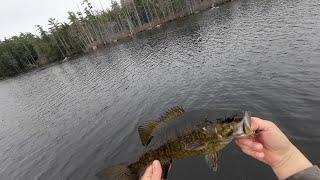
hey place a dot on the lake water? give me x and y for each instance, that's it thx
(71, 120)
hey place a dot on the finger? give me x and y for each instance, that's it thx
(259, 124)
(242, 140)
(157, 170)
(245, 141)
(148, 173)
(254, 123)
(250, 144)
(255, 154)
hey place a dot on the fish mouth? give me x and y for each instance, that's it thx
(244, 127)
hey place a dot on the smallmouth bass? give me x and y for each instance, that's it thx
(205, 140)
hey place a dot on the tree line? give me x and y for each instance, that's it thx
(88, 29)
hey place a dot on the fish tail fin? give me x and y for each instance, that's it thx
(146, 130)
(118, 172)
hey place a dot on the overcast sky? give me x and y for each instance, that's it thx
(21, 16)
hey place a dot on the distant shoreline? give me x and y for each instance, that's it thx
(158, 24)
(210, 4)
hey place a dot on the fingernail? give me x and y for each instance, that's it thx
(154, 163)
(246, 143)
(259, 146)
(260, 155)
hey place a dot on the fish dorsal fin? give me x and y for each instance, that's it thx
(146, 130)
(171, 113)
(212, 161)
(195, 146)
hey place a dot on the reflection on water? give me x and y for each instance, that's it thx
(71, 120)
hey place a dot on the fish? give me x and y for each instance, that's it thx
(146, 130)
(206, 139)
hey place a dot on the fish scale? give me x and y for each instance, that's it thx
(175, 149)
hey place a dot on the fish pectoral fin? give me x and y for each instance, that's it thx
(145, 131)
(165, 169)
(212, 161)
(195, 146)
(171, 113)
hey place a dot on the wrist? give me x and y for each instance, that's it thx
(292, 162)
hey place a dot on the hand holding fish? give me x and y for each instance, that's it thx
(153, 172)
(207, 138)
(272, 147)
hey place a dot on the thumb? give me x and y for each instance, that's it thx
(157, 170)
(148, 173)
(259, 124)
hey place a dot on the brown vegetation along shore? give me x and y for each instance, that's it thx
(90, 29)
(158, 22)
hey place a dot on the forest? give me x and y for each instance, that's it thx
(89, 29)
